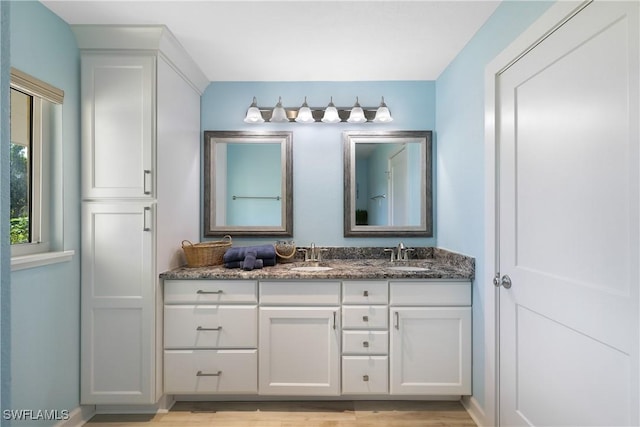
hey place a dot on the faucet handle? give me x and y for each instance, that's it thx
(406, 253)
(392, 254)
(306, 254)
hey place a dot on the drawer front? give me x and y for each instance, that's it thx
(210, 291)
(300, 293)
(434, 293)
(365, 292)
(210, 326)
(365, 375)
(364, 317)
(211, 371)
(365, 342)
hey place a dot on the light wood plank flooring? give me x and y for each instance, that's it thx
(298, 414)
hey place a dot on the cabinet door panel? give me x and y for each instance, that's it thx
(118, 125)
(299, 351)
(431, 350)
(118, 310)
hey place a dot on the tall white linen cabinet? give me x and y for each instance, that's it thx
(140, 97)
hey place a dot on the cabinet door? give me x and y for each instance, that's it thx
(118, 122)
(430, 350)
(118, 304)
(299, 351)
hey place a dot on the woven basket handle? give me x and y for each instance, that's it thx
(190, 244)
(226, 236)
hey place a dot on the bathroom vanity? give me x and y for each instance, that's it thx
(359, 327)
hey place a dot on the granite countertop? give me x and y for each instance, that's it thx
(346, 263)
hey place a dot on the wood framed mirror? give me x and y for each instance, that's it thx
(388, 183)
(248, 183)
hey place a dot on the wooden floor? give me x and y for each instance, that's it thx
(298, 414)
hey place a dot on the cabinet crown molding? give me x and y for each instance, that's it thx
(157, 38)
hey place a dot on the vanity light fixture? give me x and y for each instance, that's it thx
(383, 115)
(357, 114)
(304, 113)
(253, 113)
(279, 115)
(330, 114)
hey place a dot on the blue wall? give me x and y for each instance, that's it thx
(460, 169)
(317, 147)
(45, 301)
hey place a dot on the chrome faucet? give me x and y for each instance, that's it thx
(401, 253)
(313, 253)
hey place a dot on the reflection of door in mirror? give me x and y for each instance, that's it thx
(388, 182)
(248, 178)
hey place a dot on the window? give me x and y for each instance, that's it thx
(35, 185)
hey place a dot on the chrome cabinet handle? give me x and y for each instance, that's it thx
(365, 344)
(396, 323)
(365, 294)
(365, 318)
(202, 374)
(146, 214)
(334, 320)
(147, 172)
(200, 328)
(365, 378)
(200, 291)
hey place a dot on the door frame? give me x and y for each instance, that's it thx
(554, 17)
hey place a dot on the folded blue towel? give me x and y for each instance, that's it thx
(238, 253)
(249, 261)
(269, 262)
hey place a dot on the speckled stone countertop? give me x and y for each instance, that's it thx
(346, 263)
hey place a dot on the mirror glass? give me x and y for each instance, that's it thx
(248, 183)
(387, 183)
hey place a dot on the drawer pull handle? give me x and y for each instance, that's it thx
(365, 344)
(200, 328)
(202, 374)
(147, 172)
(396, 316)
(365, 294)
(365, 318)
(365, 378)
(334, 320)
(200, 291)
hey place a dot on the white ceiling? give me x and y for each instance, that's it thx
(302, 40)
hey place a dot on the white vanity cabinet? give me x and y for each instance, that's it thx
(210, 337)
(365, 337)
(430, 339)
(140, 96)
(299, 338)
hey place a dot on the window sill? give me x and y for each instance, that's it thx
(38, 260)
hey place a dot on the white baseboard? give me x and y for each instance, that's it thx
(475, 411)
(78, 417)
(162, 406)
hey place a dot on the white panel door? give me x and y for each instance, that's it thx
(118, 125)
(430, 350)
(299, 351)
(117, 310)
(568, 191)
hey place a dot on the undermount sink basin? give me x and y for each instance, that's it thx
(311, 269)
(408, 268)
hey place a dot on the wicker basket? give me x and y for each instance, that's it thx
(285, 251)
(205, 253)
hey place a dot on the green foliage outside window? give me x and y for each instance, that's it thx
(19, 189)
